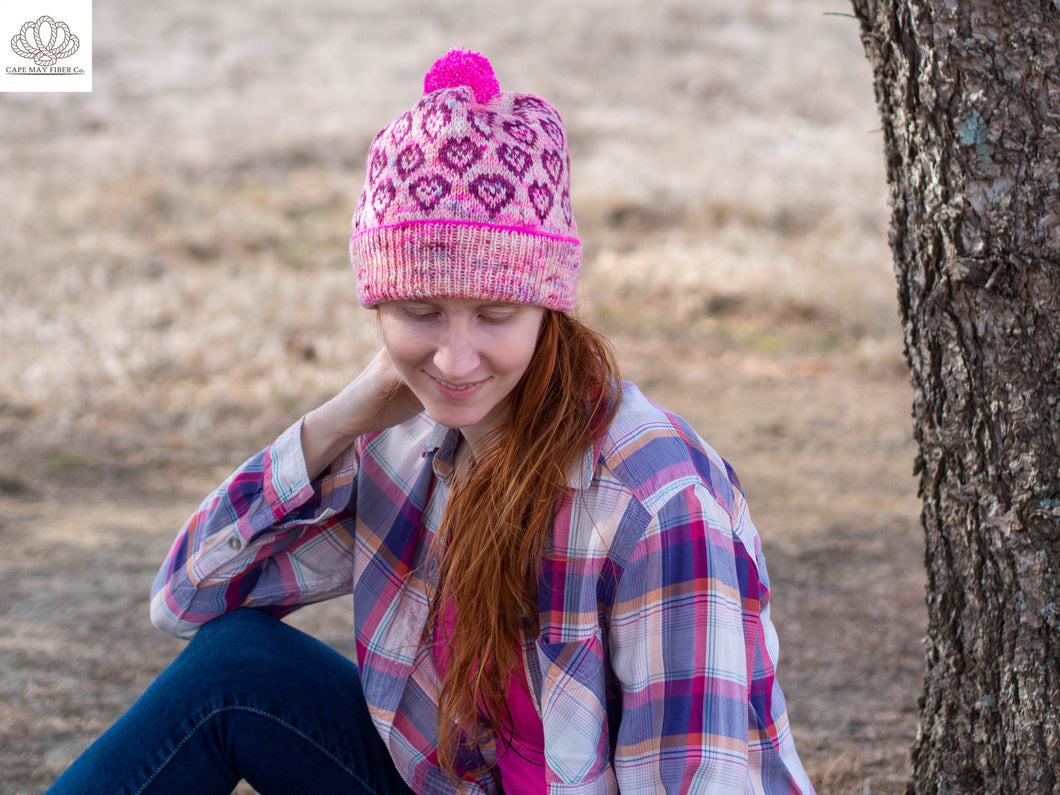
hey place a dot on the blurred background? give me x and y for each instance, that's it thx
(173, 253)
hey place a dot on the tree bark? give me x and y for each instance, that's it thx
(969, 96)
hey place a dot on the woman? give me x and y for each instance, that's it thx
(556, 584)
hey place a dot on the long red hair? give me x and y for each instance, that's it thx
(492, 537)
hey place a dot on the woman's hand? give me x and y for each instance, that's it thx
(376, 399)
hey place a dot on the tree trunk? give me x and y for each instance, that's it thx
(969, 96)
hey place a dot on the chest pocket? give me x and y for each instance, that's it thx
(573, 684)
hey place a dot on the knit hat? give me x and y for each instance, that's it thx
(467, 195)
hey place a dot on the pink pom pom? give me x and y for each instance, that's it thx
(463, 68)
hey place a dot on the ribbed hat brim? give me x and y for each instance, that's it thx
(435, 258)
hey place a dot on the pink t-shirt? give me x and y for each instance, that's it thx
(520, 746)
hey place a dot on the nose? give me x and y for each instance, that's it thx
(457, 357)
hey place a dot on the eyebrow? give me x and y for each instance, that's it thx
(483, 305)
(498, 305)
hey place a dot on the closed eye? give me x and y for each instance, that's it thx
(420, 313)
(496, 319)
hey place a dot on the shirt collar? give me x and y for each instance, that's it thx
(442, 442)
(582, 471)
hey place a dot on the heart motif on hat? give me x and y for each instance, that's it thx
(428, 190)
(553, 129)
(529, 103)
(564, 203)
(541, 196)
(482, 121)
(460, 154)
(435, 120)
(493, 190)
(521, 132)
(515, 158)
(382, 195)
(377, 166)
(553, 163)
(410, 159)
(401, 127)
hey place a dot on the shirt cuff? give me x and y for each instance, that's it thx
(289, 474)
(286, 480)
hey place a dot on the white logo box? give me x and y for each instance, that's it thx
(45, 45)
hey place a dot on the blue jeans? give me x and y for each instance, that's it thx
(249, 698)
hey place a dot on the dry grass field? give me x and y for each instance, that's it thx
(176, 292)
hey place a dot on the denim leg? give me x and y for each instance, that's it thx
(249, 698)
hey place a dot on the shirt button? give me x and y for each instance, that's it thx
(235, 543)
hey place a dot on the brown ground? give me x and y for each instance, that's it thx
(176, 291)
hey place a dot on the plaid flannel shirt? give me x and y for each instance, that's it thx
(654, 669)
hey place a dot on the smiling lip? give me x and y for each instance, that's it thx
(457, 391)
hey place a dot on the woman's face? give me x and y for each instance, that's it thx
(461, 356)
